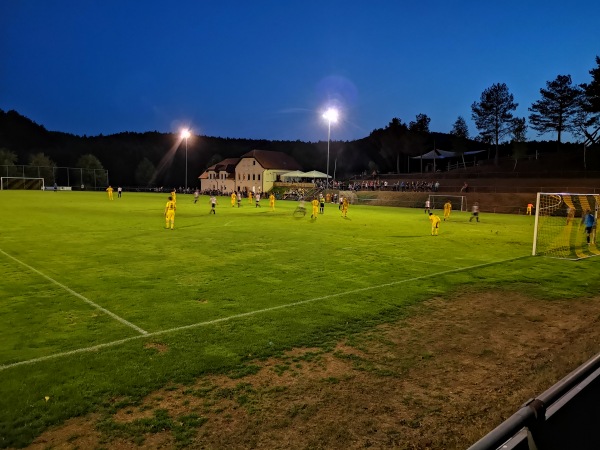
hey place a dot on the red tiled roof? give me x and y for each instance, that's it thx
(227, 165)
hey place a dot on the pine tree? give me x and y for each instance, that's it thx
(557, 108)
(588, 118)
(493, 114)
(460, 129)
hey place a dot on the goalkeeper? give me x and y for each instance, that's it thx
(589, 221)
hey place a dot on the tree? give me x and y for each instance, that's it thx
(460, 135)
(8, 159)
(519, 131)
(144, 173)
(397, 126)
(392, 142)
(94, 173)
(460, 129)
(557, 109)
(43, 167)
(420, 125)
(493, 114)
(588, 116)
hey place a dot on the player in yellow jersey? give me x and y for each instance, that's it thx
(570, 215)
(447, 210)
(174, 196)
(170, 213)
(232, 199)
(109, 189)
(272, 202)
(315, 208)
(345, 207)
(529, 208)
(435, 223)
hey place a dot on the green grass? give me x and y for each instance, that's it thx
(219, 292)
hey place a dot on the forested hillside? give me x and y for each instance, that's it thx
(153, 158)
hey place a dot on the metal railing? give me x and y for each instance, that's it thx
(533, 412)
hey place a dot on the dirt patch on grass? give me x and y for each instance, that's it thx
(441, 378)
(160, 348)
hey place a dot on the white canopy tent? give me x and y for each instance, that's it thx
(293, 174)
(316, 174)
(443, 154)
(436, 154)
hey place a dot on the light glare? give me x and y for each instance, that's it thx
(331, 115)
(185, 134)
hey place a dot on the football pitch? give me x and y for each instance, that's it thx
(90, 288)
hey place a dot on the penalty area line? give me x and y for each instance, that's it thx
(251, 313)
(76, 294)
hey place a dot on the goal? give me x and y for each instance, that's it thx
(21, 183)
(459, 202)
(558, 229)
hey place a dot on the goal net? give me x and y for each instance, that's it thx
(459, 202)
(560, 230)
(21, 183)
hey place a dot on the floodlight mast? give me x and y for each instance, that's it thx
(331, 115)
(185, 134)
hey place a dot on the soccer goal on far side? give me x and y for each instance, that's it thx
(21, 183)
(437, 201)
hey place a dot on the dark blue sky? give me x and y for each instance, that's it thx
(268, 69)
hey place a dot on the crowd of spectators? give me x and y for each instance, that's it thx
(351, 185)
(179, 190)
(294, 193)
(400, 186)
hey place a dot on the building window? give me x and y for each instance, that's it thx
(253, 177)
(259, 177)
(253, 162)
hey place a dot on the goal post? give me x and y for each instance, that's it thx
(559, 228)
(21, 183)
(437, 201)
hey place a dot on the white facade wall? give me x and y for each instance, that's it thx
(217, 181)
(249, 174)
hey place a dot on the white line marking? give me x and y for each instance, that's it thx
(246, 314)
(445, 264)
(72, 292)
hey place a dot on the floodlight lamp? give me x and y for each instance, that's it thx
(331, 115)
(185, 134)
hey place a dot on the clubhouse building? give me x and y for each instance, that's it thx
(255, 171)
